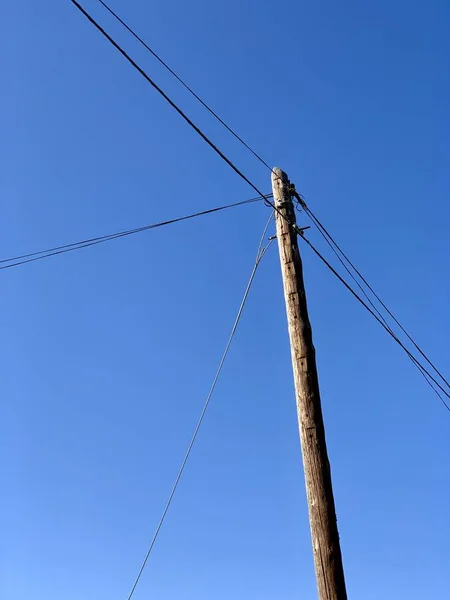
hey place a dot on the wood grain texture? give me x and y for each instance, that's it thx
(322, 514)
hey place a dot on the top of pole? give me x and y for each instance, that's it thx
(280, 182)
(279, 174)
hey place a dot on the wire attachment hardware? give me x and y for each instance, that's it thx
(301, 230)
(294, 194)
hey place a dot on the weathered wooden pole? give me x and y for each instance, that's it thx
(322, 514)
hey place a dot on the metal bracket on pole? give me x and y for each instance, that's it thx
(300, 230)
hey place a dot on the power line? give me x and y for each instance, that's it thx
(363, 291)
(421, 368)
(228, 161)
(41, 254)
(266, 227)
(224, 157)
(415, 361)
(165, 96)
(172, 103)
(318, 224)
(372, 304)
(334, 246)
(340, 253)
(337, 249)
(261, 252)
(320, 227)
(183, 83)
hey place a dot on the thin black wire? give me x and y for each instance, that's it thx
(316, 221)
(375, 313)
(259, 257)
(266, 227)
(331, 240)
(165, 96)
(363, 291)
(421, 368)
(183, 83)
(372, 304)
(41, 254)
(179, 111)
(228, 161)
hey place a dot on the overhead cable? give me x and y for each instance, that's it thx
(8, 263)
(332, 242)
(166, 97)
(421, 368)
(183, 83)
(260, 254)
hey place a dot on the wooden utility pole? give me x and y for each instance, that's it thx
(322, 514)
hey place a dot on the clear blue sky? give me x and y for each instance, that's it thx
(106, 354)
